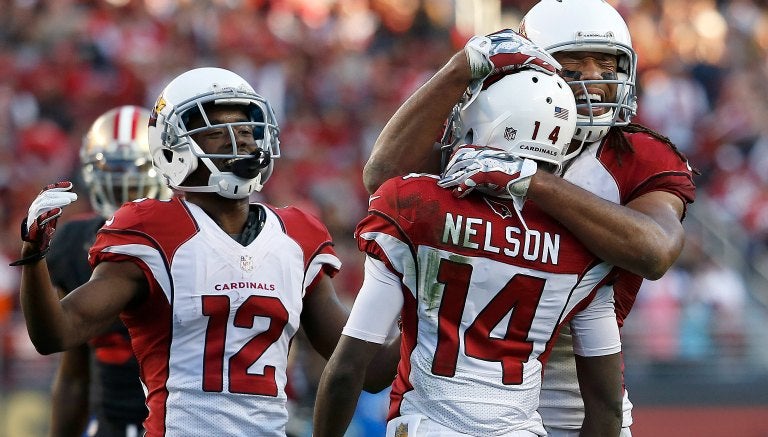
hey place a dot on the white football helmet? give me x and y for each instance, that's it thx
(591, 26)
(527, 114)
(116, 163)
(177, 155)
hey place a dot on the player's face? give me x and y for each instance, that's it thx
(590, 66)
(219, 140)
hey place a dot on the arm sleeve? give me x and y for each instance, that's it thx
(377, 305)
(595, 330)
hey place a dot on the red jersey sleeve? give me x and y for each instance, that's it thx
(403, 208)
(314, 239)
(159, 225)
(653, 165)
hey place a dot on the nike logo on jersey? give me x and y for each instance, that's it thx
(371, 199)
(109, 221)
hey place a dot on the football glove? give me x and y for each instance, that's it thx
(489, 171)
(40, 224)
(504, 52)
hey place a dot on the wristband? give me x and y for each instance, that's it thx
(31, 259)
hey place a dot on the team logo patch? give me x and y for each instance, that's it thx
(401, 430)
(246, 263)
(159, 105)
(499, 208)
(510, 133)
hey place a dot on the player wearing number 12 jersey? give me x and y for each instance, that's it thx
(219, 318)
(481, 285)
(211, 287)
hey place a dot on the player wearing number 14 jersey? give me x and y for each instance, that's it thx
(482, 298)
(481, 284)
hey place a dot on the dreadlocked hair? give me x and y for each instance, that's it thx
(618, 141)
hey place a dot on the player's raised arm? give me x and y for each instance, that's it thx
(55, 325)
(406, 144)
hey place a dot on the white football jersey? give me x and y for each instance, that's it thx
(213, 336)
(483, 297)
(650, 166)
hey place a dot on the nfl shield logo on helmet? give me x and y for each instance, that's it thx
(246, 263)
(509, 133)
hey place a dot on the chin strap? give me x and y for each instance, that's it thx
(203, 189)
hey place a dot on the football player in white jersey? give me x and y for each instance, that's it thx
(624, 163)
(481, 283)
(623, 195)
(211, 287)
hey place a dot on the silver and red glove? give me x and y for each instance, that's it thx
(489, 171)
(504, 52)
(40, 224)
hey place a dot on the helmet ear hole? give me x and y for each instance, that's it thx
(168, 155)
(469, 138)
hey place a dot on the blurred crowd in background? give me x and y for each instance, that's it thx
(335, 71)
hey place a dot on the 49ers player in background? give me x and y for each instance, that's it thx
(623, 195)
(100, 380)
(211, 287)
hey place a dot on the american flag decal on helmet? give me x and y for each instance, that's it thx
(561, 113)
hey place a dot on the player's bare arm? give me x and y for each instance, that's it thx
(598, 365)
(324, 317)
(55, 325)
(601, 390)
(406, 142)
(644, 237)
(69, 393)
(341, 384)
